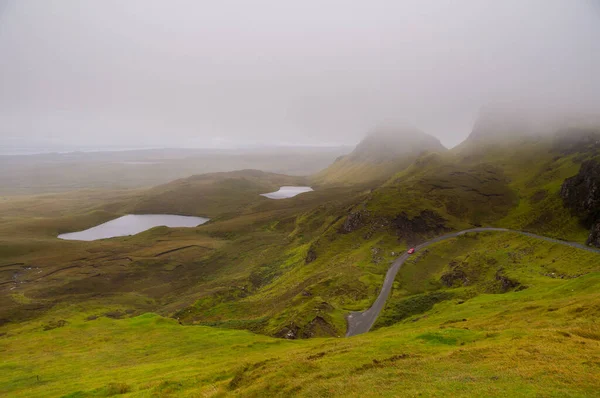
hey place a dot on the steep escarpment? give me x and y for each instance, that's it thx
(581, 193)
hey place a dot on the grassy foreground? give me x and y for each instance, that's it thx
(543, 340)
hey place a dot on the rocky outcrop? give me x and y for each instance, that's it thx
(505, 283)
(353, 222)
(594, 237)
(581, 194)
(318, 327)
(410, 228)
(455, 276)
(428, 222)
(311, 255)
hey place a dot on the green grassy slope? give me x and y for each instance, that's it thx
(276, 267)
(538, 341)
(514, 185)
(495, 314)
(211, 271)
(481, 263)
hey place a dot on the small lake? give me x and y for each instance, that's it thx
(286, 192)
(133, 224)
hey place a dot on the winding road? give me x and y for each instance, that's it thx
(361, 322)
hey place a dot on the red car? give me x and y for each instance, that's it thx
(411, 250)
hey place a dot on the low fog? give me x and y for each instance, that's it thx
(241, 73)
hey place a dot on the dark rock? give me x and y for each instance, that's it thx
(505, 282)
(290, 333)
(581, 194)
(353, 222)
(376, 225)
(594, 237)
(114, 314)
(427, 222)
(311, 255)
(455, 276)
(55, 324)
(318, 327)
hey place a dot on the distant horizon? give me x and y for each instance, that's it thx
(63, 149)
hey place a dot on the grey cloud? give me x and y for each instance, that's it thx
(202, 73)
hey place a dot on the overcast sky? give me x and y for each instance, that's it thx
(221, 73)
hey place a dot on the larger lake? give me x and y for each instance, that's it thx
(133, 224)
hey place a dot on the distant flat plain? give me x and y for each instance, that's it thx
(62, 172)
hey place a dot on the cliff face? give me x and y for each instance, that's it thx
(581, 193)
(594, 237)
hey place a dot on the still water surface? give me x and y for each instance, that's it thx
(133, 224)
(286, 192)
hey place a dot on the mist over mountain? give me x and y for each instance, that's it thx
(383, 152)
(192, 74)
(502, 123)
(390, 143)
